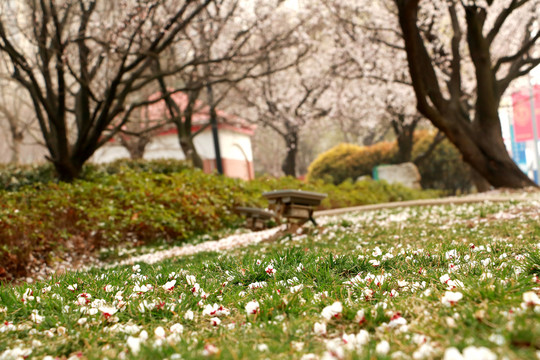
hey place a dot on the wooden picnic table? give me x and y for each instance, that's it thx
(295, 205)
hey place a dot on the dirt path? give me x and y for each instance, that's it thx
(476, 198)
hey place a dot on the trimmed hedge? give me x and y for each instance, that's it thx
(135, 203)
(14, 177)
(442, 170)
(346, 194)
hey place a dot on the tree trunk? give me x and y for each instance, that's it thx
(136, 149)
(480, 183)
(17, 139)
(67, 170)
(289, 163)
(191, 154)
(405, 137)
(135, 144)
(405, 145)
(486, 153)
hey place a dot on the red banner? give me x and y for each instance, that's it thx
(523, 129)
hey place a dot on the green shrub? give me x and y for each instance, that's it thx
(127, 207)
(442, 170)
(158, 166)
(366, 192)
(347, 161)
(13, 177)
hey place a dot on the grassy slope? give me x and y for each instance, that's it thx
(134, 203)
(417, 247)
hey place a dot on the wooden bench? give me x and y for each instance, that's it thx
(295, 205)
(256, 218)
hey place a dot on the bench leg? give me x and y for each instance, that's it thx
(312, 219)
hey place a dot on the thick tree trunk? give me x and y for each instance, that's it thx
(67, 170)
(486, 153)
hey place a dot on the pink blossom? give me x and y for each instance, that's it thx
(107, 311)
(332, 311)
(270, 270)
(209, 350)
(195, 289)
(216, 310)
(368, 293)
(252, 307)
(531, 299)
(169, 286)
(375, 263)
(450, 298)
(319, 328)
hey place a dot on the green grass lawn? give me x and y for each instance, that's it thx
(452, 282)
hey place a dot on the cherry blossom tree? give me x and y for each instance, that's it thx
(18, 124)
(462, 57)
(376, 90)
(14, 128)
(289, 99)
(230, 43)
(458, 57)
(285, 102)
(81, 60)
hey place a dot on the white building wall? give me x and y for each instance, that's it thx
(204, 143)
(233, 145)
(164, 147)
(109, 152)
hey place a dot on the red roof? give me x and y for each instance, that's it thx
(201, 116)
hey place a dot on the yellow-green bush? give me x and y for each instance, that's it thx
(348, 161)
(443, 169)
